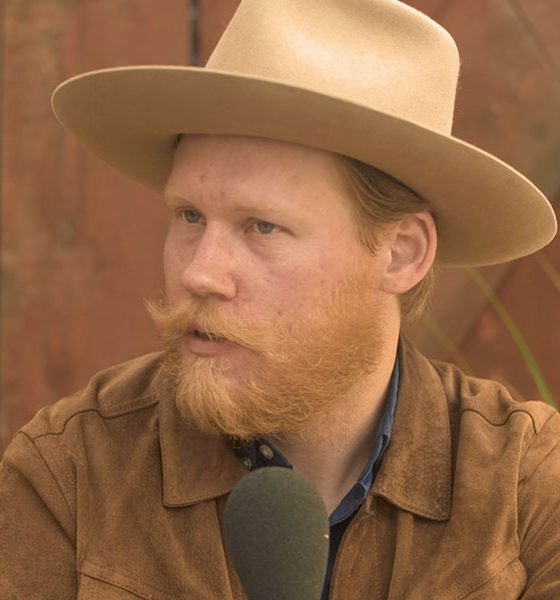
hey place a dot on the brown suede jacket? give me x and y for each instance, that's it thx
(110, 495)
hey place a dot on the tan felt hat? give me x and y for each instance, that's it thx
(371, 79)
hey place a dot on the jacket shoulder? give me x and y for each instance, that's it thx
(118, 390)
(490, 399)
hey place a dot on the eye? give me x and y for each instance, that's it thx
(190, 215)
(265, 227)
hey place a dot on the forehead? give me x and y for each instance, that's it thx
(250, 165)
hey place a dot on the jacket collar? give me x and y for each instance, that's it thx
(196, 466)
(415, 474)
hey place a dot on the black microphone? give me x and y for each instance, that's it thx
(276, 531)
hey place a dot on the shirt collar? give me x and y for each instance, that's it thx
(357, 494)
(415, 473)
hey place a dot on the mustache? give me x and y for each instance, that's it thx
(174, 321)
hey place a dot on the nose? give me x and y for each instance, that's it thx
(209, 272)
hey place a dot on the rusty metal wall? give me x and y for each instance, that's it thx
(81, 245)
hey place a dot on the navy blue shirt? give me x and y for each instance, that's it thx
(261, 453)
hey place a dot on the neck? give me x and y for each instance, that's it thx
(332, 451)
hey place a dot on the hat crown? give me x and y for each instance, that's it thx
(381, 54)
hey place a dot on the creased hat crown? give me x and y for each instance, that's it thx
(384, 55)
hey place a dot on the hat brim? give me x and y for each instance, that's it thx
(486, 212)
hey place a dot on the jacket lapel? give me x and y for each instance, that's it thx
(195, 466)
(415, 474)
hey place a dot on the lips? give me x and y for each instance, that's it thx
(207, 335)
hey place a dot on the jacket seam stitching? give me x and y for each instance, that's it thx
(487, 580)
(536, 537)
(89, 410)
(536, 435)
(124, 585)
(505, 421)
(53, 476)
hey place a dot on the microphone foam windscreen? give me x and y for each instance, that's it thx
(276, 531)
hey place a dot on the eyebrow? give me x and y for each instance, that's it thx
(251, 208)
(243, 207)
(173, 196)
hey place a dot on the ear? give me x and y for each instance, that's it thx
(412, 247)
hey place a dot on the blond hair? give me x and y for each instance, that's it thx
(380, 199)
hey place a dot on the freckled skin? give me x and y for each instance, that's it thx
(232, 183)
(260, 274)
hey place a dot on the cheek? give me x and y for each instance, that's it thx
(172, 267)
(309, 283)
(295, 291)
(169, 248)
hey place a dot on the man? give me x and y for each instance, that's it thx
(310, 174)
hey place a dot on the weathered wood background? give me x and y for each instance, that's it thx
(81, 245)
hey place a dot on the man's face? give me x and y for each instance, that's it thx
(273, 309)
